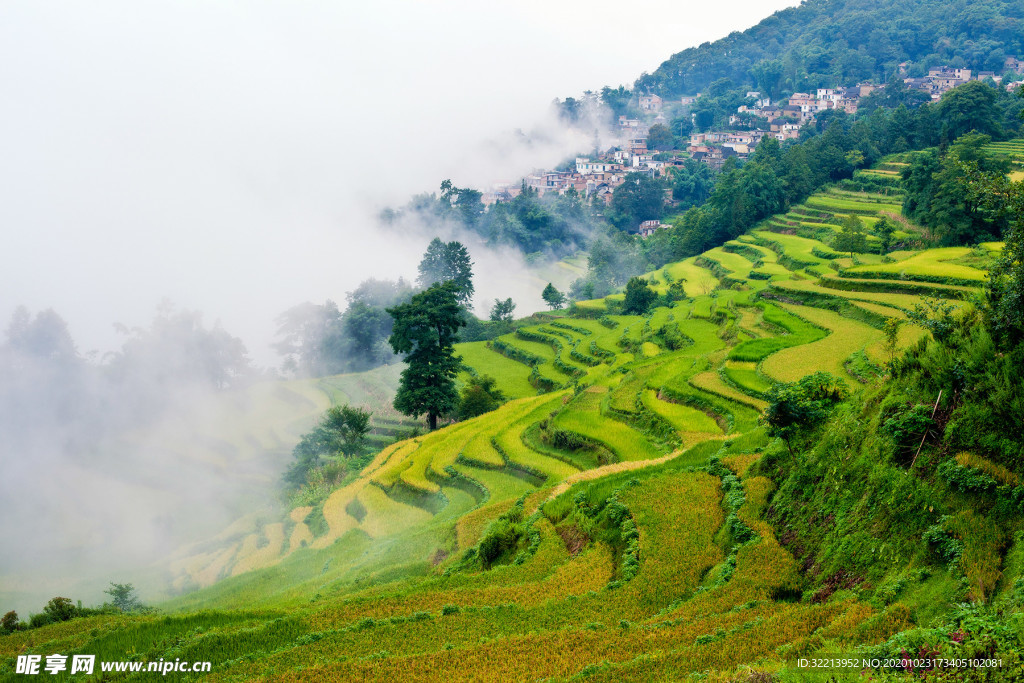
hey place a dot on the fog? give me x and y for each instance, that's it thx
(231, 157)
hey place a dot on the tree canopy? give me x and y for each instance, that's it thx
(552, 297)
(425, 330)
(447, 262)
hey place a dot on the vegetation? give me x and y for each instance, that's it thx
(824, 44)
(642, 509)
(775, 448)
(425, 329)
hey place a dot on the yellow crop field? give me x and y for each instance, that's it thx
(829, 354)
(931, 262)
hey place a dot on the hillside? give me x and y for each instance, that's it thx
(626, 516)
(825, 43)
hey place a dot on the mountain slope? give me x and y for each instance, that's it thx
(635, 520)
(825, 43)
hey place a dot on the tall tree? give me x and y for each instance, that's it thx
(640, 198)
(447, 262)
(552, 297)
(502, 311)
(426, 330)
(639, 296)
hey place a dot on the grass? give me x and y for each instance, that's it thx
(800, 248)
(799, 332)
(584, 418)
(682, 417)
(392, 590)
(932, 264)
(512, 377)
(845, 337)
(746, 377)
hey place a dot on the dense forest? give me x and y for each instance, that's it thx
(826, 43)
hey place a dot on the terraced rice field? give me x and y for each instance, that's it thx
(830, 354)
(933, 265)
(385, 581)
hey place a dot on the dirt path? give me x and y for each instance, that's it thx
(624, 466)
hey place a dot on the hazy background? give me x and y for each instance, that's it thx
(227, 156)
(230, 157)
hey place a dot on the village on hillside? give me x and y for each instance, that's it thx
(596, 177)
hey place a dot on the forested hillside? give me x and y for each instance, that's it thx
(825, 43)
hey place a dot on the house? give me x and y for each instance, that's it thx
(637, 144)
(650, 103)
(1013, 64)
(586, 166)
(945, 72)
(741, 151)
(648, 228)
(687, 100)
(552, 181)
(641, 160)
(802, 100)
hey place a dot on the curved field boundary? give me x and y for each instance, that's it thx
(800, 332)
(932, 265)
(829, 354)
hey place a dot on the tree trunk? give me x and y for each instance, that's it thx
(432, 419)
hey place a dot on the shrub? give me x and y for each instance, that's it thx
(10, 622)
(906, 426)
(60, 609)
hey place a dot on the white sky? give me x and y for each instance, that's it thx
(227, 155)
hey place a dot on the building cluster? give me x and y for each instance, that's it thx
(599, 176)
(941, 79)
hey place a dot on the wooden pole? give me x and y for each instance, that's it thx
(921, 445)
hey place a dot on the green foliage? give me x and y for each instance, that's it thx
(851, 237)
(341, 430)
(554, 224)
(317, 340)
(692, 183)
(1002, 200)
(639, 297)
(425, 330)
(659, 137)
(884, 229)
(640, 198)
(934, 315)
(60, 609)
(905, 425)
(480, 396)
(503, 311)
(123, 597)
(822, 44)
(10, 622)
(447, 262)
(798, 407)
(938, 196)
(552, 297)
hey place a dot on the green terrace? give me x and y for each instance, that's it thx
(550, 534)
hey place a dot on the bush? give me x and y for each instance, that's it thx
(905, 428)
(500, 538)
(60, 609)
(10, 622)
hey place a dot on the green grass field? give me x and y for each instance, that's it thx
(613, 508)
(933, 264)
